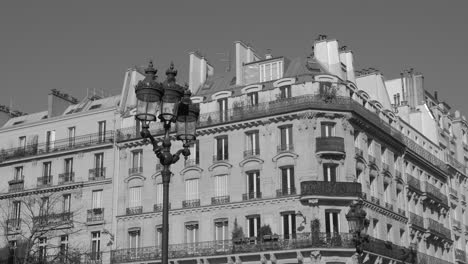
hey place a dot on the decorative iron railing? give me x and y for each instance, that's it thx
(16, 185)
(191, 203)
(452, 161)
(228, 247)
(56, 146)
(134, 210)
(97, 174)
(385, 248)
(251, 196)
(323, 188)
(437, 228)
(286, 192)
(44, 181)
(220, 200)
(95, 215)
(159, 207)
(135, 170)
(434, 192)
(416, 220)
(413, 182)
(418, 149)
(329, 144)
(67, 177)
(53, 220)
(251, 153)
(285, 148)
(426, 259)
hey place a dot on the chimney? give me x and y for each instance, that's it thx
(243, 54)
(347, 58)
(200, 69)
(436, 95)
(268, 54)
(58, 102)
(326, 52)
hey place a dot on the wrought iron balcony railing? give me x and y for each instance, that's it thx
(16, 185)
(337, 189)
(191, 203)
(67, 177)
(285, 192)
(437, 228)
(53, 220)
(97, 174)
(95, 215)
(251, 153)
(359, 152)
(413, 182)
(426, 259)
(416, 220)
(220, 199)
(134, 210)
(135, 170)
(228, 247)
(285, 148)
(251, 196)
(57, 146)
(159, 207)
(44, 181)
(435, 193)
(330, 145)
(93, 257)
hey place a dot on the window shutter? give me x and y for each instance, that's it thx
(257, 178)
(226, 151)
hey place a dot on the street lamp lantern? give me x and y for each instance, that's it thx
(171, 103)
(358, 224)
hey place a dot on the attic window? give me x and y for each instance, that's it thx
(18, 122)
(95, 106)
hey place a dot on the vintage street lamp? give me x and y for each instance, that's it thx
(171, 103)
(358, 224)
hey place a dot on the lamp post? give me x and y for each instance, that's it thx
(358, 224)
(171, 103)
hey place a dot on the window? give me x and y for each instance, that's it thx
(252, 98)
(285, 92)
(464, 137)
(135, 197)
(16, 211)
(95, 245)
(288, 223)
(50, 140)
(253, 145)
(222, 148)
(66, 203)
(101, 131)
(99, 165)
(134, 238)
(68, 169)
(286, 139)
(191, 189)
(329, 172)
(375, 230)
(18, 173)
(253, 225)
(387, 193)
(158, 241)
(221, 185)
(223, 109)
(22, 142)
(332, 223)
(191, 232)
(194, 157)
(287, 181)
(42, 248)
(71, 136)
(253, 185)
(159, 193)
(221, 229)
(137, 159)
(389, 233)
(63, 247)
(327, 129)
(96, 199)
(44, 208)
(47, 168)
(271, 71)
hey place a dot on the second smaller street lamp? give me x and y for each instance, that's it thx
(358, 224)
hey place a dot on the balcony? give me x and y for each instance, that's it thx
(16, 185)
(437, 228)
(159, 207)
(435, 194)
(220, 200)
(416, 220)
(134, 210)
(285, 148)
(251, 153)
(460, 255)
(53, 220)
(426, 259)
(251, 196)
(413, 182)
(389, 206)
(95, 215)
(359, 152)
(330, 145)
(228, 247)
(385, 248)
(97, 174)
(285, 192)
(12, 225)
(135, 170)
(93, 258)
(191, 203)
(61, 145)
(332, 190)
(67, 177)
(44, 181)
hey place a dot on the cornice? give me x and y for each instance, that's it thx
(386, 212)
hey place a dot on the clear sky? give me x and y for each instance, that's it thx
(73, 46)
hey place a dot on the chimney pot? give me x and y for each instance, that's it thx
(436, 95)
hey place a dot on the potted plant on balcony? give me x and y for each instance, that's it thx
(264, 233)
(315, 231)
(237, 233)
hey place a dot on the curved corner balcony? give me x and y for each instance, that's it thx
(330, 146)
(330, 190)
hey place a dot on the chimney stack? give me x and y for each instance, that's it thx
(268, 54)
(199, 71)
(436, 95)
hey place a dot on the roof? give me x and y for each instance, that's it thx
(26, 119)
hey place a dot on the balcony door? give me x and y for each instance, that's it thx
(327, 129)
(287, 181)
(253, 185)
(329, 172)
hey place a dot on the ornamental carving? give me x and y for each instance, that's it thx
(316, 257)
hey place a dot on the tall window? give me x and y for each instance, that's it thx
(253, 225)
(191, 189)
(158, 241)
(329, 172)
(222, 152)
(327, 129)
(135, 197)
(285, 92)
(95, 245)
(253, 145)
(221, 185)
(18, 173)
(71, 136)
(50, 140)
(271, 71)
(389, 233)
(253, 185)
(332, 223)
(287, 181)
(288, 222)
(99, 165)
(22, 142)
(16, 210)
(252, 98)
(63, 247)
(96, 199)
(47, 168)
(191, 232)
(223, 109)
(159, 193)
(194, 157)
(387, 193)
(221, 229)
(286, 139)
(137, 161)
(68, 174)
(44, 207)
(134, 238)
(42, 248)
(101, 131)
(66, 203)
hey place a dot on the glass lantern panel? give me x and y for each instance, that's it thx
(147, 110)
(185, 130)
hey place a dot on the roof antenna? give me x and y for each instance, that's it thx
(228, 60)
